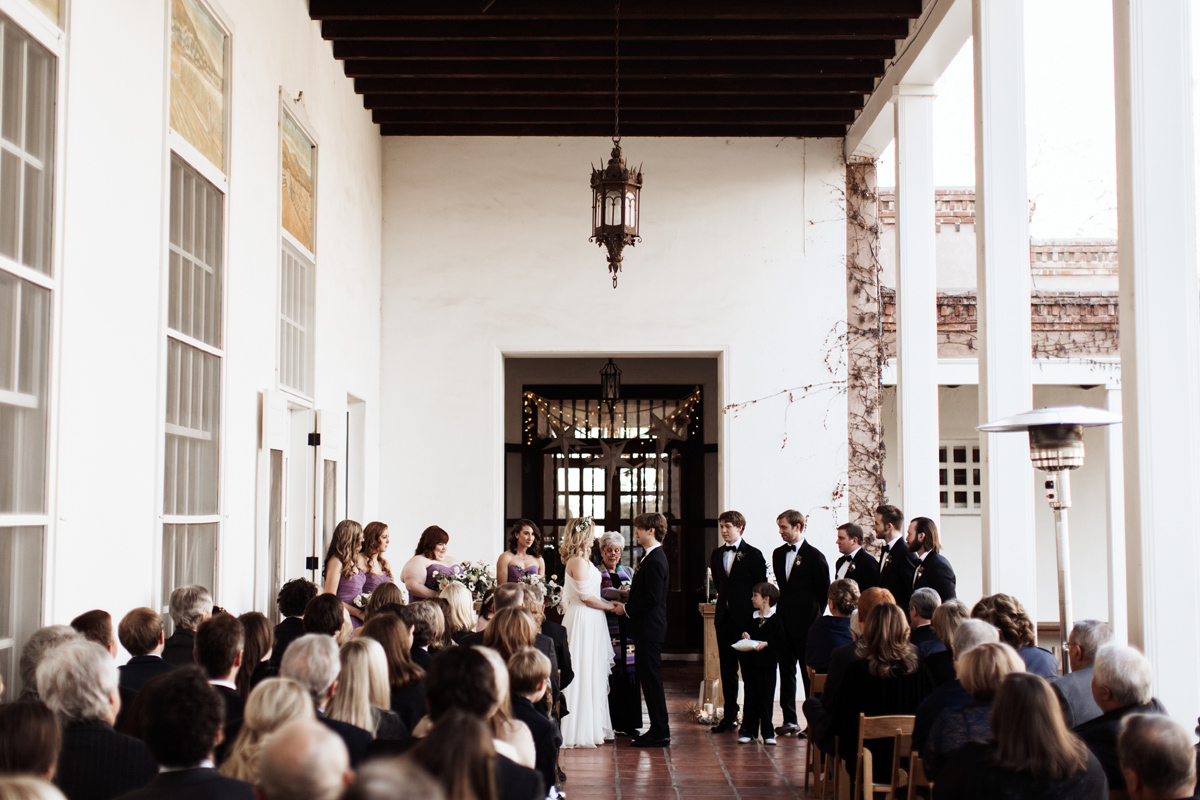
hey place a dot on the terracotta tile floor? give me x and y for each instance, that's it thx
(698, 765)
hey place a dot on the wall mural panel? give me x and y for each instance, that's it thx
(198, 79)
(297, 169)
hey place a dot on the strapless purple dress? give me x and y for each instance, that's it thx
(435, 571)
(515, 573)
(350, 588)
(373, 582)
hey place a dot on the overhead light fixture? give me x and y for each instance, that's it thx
(1056, 447)
(616, 189)
(610, 385)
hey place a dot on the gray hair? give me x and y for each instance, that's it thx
(1089, 635)
(190, 605)
(508, 595)
(394, 779)
(972, 633)
(312, 661)
(1125, 672)
(40, 643)
(1158, 750)
(77, 681)
(924, 602)
(612, 538)
(303, 759)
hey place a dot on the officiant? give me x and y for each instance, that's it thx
(624, 693)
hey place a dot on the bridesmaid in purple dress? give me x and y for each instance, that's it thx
(375, 545)
(421, 572)
(346, 567)
(524, 554)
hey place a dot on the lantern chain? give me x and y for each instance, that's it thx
(617, 73)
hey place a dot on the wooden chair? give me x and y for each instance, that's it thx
(917, 778)
(811, 761)
(898, 728)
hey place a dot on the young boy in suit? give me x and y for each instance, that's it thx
(529, 676)
(759, 666)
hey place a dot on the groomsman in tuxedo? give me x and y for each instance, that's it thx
(855, 564)
(896, 568)
(803, 576)
(932, 568)
(646, 609)
(736, 568)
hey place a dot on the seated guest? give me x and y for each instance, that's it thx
(405, 679)
(96, 626)
(442, 638)
(1157, 758)
(921, 608)
(981, 670)
(29, 739)
(460, 754)
(1008, 616)
(831, 631)
(363, 697)
(390, 594)
(256, 652)
(529, 675)
(141, 633)
(325, 615)
(1074, 689)
(190, 605)
(535, 604)
(394, 779)
(41, 642)
(219, 649)
(888, 678)
(1121, 682)
(272, 704)
(487, 607)
(292, 598)
(421, 619)
(946, 619)
(1031, 753)
(506, 595)
(78, 682)
(312, 661)
(512, 737)
(970, 634)
(510, 631)
(181, 725)
(303, 760)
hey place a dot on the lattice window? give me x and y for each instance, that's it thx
(296, 309)
(960, 473)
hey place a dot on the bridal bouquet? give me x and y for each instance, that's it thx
(478, 577)
(550, 588)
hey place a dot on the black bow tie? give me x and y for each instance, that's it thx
(728, 548)
(843, 560)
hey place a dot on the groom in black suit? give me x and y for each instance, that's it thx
(646, 609)
(737, 567)
(803, 576)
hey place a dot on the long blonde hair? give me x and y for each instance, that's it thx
(346, 544)
(462, 610)
(577, 538)
(363, 683)
(273, 702)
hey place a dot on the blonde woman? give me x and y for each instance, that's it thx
(461, 619)
(589, 723)
(510, 736)
(272, 703)
(363, 697)
(346, 567)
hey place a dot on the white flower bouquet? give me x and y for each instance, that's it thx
(550, 588)
(478, 577)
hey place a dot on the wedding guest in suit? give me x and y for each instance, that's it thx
(736, 567)
(312, 661)
(855, 563)
(832, 630)
(41, 642)
(1074, 689)
(30, 739)
(303, 760)
(97, 626)
(803, 576)
(933, 570)
(325, 614)
(896, 569)
(1006, 613)
(921, 608)
(293, 597)
(78, 682)
(647, 610)
(970, 634)
(946, 619)
(141, 633)
(219, 644)
(190, 605)
(1157, 758)
(529, 673)
(181, 726)
(422, 619)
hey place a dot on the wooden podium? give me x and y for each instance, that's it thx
(709, 689)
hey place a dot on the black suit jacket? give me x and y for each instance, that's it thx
(647, 604)
(864, 570)
(192, 784)
(558, 635)
(734, 609)
(896, 573)
(543, 732)
(235, 710)
(97, 763)
(356, 738)
(935, 573)
(1100, 735)
(515, 782)
(286, 632)
(177, 651)
(804, 594)
(137, 671)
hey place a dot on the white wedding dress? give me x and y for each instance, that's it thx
(588, 723)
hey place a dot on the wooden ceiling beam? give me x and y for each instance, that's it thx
(482, 102)
(630, 86)
(648, 9)
(605, 131)
(576, 116)
(709, 68)
(545, 50)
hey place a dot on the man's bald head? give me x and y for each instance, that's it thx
(303, 760)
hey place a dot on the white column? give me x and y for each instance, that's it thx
(1118, 615)
(1002, 236)
(916, 303)
(1160, 340)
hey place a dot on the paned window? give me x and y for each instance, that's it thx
(960, 473)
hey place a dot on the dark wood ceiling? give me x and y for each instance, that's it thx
(545, 67)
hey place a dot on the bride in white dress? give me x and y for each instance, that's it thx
(587, 724)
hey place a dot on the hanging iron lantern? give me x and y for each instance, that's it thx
(610, 384)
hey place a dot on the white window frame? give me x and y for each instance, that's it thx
(291, 103)
(175, 145)
(973, 508)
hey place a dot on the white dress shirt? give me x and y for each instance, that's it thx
(845, 567)
(789, 559)
(729, 555)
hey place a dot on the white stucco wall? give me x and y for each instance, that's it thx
(109, 420)
(486, 253)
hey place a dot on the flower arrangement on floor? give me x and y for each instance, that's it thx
(478, 577)
(550, 587)
(695, 712)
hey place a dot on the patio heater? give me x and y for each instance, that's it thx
(1056, 447)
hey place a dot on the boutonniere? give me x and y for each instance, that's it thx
(738, 556)
(851, 568)
(919, 571)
